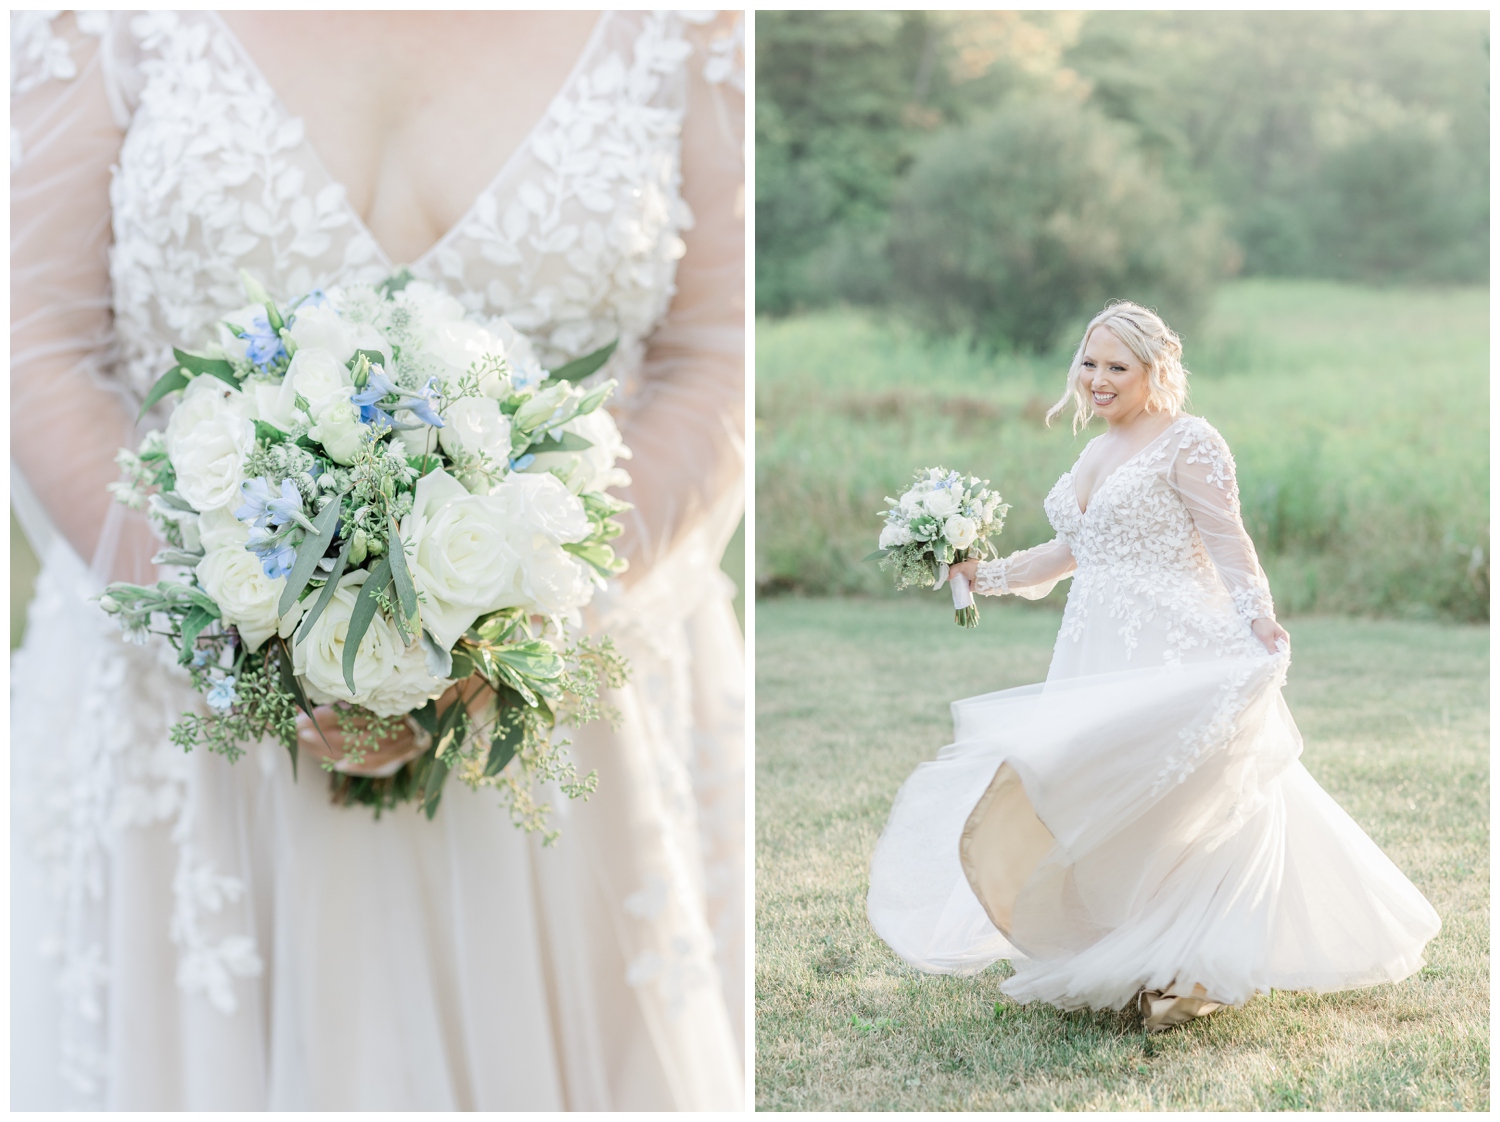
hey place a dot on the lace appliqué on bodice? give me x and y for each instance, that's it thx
(576, 239)
(1140, 555)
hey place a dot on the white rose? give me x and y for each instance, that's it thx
(318, 375)
(419, 442)
(894, 534)
(461, 344)
(323, 329)
(219, 528)
(911, 503)
(247, 598)
(475, 425)
(233, 345)
(940, 503)
(460, 556)
(339, 429)
(540, 515)
(409, 687)
(593, 469)
(960, 531)
(525, 369)
(319, 658)
(207, 441)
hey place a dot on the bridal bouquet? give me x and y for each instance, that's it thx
(372, 499)
(942, 518)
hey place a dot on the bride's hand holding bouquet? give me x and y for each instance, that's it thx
(937, 531)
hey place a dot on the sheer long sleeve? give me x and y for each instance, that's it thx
(1028, 573)
(66, 421)
(1204, 476)
(686, 425)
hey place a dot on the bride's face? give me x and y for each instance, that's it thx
(1114, 378)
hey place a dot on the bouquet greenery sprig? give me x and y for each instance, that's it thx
(942, 519)
(371, 499)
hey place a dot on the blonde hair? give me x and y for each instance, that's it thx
(1153, 343)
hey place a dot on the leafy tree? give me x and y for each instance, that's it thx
(1013, 228)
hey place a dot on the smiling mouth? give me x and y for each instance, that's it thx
(1102, 398)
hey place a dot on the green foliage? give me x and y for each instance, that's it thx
(1011, 229)
(1357, 417)
(1340, 144)
(1349, 145)
(262, 709)
(1395, 719)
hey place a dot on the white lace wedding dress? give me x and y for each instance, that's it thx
(191, 934)
(1141, 820)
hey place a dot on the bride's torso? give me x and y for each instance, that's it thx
(574, 236)
(1146, 589)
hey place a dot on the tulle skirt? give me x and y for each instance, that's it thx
(1145, 829)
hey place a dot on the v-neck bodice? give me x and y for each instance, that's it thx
(575, 240)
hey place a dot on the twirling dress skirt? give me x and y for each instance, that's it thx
(1142, 829)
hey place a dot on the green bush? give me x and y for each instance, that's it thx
(1012, 229)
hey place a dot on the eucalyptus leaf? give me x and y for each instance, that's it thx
(535, 659)
(325, 596)
(581, 368)
(439, 661)
(309, 553)
(876, 556)
(399, 572)
(220, 368)
(432, 791)
(170, 382)
(504, 745)
(192, 626)
(177, 557)
(560, 441)
(364, 611)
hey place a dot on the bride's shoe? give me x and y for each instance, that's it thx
(1162, 1011)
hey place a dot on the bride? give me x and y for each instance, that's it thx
(190, 934)
(1138, 827)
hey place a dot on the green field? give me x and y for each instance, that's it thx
(851, 694)
(1358, 416)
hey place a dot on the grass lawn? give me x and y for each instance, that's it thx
(852, 694)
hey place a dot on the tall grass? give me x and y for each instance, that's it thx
(1358, 418)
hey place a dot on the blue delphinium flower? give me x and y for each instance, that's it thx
(222, 697)
(258, 497)
(276, 554)
(379, 387)
(288, 507)
(521, 463)
(263, 344)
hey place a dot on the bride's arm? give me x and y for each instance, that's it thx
(686, 427)
(66, 424)
(1204, 475)
(1029, 573)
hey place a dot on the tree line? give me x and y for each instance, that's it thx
(1000, 174)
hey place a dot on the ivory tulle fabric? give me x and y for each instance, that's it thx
(191, 934)
(1141, 820)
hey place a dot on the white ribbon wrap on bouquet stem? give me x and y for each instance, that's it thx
(962, 596)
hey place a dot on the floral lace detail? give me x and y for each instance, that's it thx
(214, 177)
(991, 578)
(1218, 730)
(1141, 559)
(580, 246)
(38, 54)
